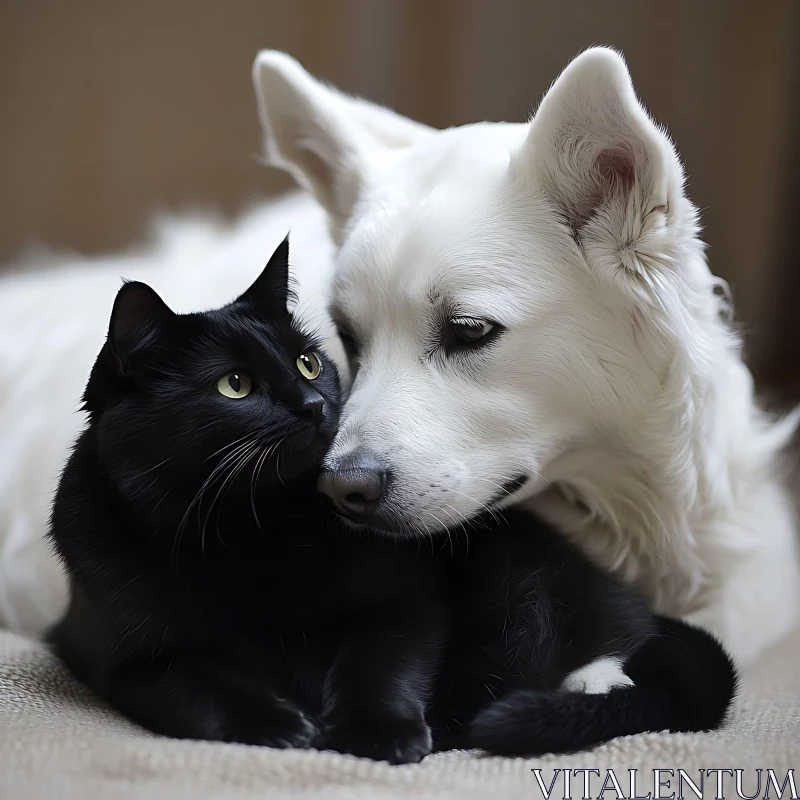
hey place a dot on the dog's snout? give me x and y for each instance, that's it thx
(356, 486)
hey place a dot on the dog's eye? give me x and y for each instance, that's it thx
(348, 341)
(470, 330)
(234, 385)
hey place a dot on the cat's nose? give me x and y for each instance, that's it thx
(313, 408)
(305, 401)
(356, 486)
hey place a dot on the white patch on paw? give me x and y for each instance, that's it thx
(597, 677)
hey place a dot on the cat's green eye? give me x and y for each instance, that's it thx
(234, 385)
(308, 365)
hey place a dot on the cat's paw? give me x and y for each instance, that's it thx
(282, 726)
(597, 677)
(398, 741)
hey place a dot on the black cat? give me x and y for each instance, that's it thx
(214, 596)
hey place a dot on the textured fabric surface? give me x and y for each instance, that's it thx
(57, 741)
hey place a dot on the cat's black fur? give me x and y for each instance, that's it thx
(529, 609)
(214, 596)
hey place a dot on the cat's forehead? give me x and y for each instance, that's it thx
(242, 323)
(242, 335)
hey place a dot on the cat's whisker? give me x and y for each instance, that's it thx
(278, 466)
(225, 447)
(222, 475)
(254, 480)
(243, 456)
(215, 474)
(237, 471)
(259, 465)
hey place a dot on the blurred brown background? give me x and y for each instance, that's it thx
(112, 110)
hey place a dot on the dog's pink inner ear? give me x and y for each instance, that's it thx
(616, 168)
(614, 172)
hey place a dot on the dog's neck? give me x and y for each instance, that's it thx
(658, 496)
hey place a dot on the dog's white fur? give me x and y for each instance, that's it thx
(617, 386)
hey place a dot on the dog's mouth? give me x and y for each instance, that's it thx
(365, 523)
(506, 490)
(396, 527)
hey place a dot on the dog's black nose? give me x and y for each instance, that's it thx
(356, 486)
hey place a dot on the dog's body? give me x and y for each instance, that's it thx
(610, 394)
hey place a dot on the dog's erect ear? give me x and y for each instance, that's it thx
(137, 309)
(326, 139)
(596, 150)
(270, 292)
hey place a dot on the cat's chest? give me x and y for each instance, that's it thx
(295, 585)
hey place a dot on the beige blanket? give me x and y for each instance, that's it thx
(58, 742)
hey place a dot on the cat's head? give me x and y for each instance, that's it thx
(243, 390)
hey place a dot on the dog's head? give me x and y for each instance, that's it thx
(509, 294)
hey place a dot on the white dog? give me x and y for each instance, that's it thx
(531, 319)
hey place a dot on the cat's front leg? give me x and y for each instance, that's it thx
(379, 685)
(193, 698)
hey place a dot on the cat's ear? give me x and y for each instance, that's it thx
(138, 310)
(270, 292)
